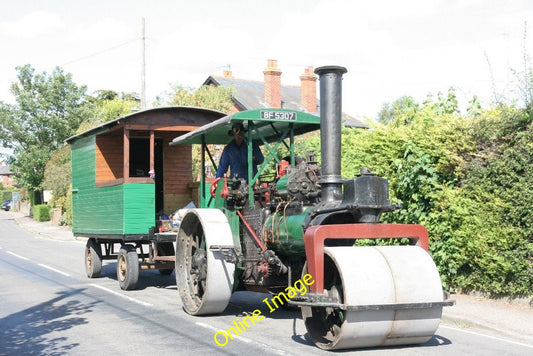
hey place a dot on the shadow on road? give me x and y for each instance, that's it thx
(150, 278)
(34, 330)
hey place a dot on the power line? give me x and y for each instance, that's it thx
(100, 52)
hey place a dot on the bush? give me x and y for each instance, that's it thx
(41, 212)
(66, 218)
(57, 175)
(468, 180)
(6, 196)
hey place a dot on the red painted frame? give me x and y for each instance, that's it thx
(316, 235)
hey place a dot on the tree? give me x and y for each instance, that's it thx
(101, 110)
(109, 95)
(474, 107)
(101, 95)
(207, 96)
(48, 109)
(448, 104)
(402, 109)
(444, 104)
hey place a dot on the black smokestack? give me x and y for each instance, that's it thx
(330, 130)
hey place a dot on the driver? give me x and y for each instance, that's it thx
(235, 155)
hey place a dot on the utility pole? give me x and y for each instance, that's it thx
(143, 68)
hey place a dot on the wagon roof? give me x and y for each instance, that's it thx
(189, 117)
(268, 123)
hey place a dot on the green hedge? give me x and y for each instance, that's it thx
(6, 196)
(469, 180)
(41, 212)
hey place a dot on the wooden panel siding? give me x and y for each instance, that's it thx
(139, 208)
(178, 174)
(103, 210)
(172, 117)
(109, 157)
(96, 210)
(174, 202)
(161, 128)
(82, 158)
(126, 156)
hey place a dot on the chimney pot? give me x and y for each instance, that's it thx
(272, 64)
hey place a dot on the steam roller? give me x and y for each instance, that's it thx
(263, 234)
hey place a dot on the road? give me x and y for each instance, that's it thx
(48, 306)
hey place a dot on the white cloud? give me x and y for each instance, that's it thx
(34, 24)
(391, 48)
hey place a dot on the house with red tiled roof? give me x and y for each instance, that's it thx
(270, 93)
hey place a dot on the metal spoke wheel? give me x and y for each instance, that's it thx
(204, 279)
(93, 258)
(127, 267)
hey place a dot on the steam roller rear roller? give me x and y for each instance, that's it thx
(203, 277)
(388, 295)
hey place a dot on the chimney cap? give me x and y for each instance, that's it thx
(330, 69)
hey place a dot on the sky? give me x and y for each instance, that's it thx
(391, 48)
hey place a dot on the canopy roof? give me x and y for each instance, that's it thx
(268, 124)
(169, 118)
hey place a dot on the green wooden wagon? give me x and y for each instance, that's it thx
(125, 177)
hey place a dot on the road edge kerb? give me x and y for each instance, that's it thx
(57, 233)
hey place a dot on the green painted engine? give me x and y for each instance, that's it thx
(271, 229)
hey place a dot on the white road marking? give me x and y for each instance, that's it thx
(487, 336)
(53, 269)
(121, 295)
(238, 337)
(18, 256)
(207, 326)
(246, 340)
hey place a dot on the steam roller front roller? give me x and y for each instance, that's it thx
(204, 279)
(388, 295)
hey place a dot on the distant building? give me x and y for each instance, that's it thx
(270, 93)
(6, 175)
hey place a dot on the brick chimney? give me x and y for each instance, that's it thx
(308, 90)
(272, 84)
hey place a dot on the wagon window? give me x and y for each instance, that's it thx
(139, 157)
